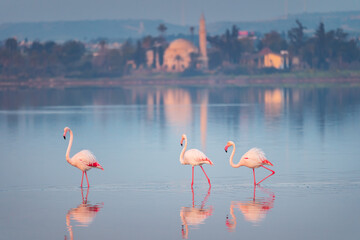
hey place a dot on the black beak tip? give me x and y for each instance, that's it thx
(64, 137)
(225, 150)
(181, 144)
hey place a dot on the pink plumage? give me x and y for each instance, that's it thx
(253, 158)
(84, 160)
(193, 157)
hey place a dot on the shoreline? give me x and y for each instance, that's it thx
(198, 81)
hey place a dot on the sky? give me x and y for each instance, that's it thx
(184, 12)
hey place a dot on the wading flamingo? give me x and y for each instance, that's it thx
(254, 158)
(83, 160)
(193, 157)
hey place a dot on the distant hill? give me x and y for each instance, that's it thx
(85, 30)
(122, 29)
(348, 21)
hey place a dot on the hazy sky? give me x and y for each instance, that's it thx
(173, 11)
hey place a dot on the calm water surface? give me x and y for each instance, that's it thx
(311, 135)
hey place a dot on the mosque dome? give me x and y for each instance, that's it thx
(177, 56)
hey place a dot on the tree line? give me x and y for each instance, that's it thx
(323, 50)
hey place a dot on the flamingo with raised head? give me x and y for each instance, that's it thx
(83, 160)
(253, 158)
(193, 157)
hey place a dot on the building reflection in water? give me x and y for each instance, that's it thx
(179, 108)
(204, 101)
(254, 211)
(273, 102)
(83, 214)
(177, 105)
(195, 215)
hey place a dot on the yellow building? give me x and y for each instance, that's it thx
(268, 59)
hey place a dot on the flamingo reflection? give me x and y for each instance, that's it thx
(83, 214)
(195, 215)
(254, 211)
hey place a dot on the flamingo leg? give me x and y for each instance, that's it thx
(87, 180)
(254, 193)
(82, 178)
(192, 182)
(254, 176)
(206, 175)
(272, 173)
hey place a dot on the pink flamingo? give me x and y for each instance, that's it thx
(254, 158)
(83, 160)
(193, 157)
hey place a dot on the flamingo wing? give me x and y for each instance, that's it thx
(255, 157)
(87, 158)
(196, 157)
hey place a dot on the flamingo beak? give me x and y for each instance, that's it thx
(226, 148)
(64, 137)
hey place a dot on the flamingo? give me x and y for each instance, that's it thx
(83, 160)
(253, 158)
(193, 157)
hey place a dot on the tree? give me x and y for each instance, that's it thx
(192, 29)
(71, 52)
(215, 58)
(140, 55)
(339, 49)
(320, 46)
(148, 42)
(228, 44)
(162, 29)
(11, 44)
(102, 43)
(50, 47)
(274, 41)
(297, 38)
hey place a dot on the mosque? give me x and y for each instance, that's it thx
(178, 55)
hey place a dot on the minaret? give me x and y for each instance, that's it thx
(202, 43)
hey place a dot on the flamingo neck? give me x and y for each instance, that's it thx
(183, 152)
(232, 156)
(69, 147)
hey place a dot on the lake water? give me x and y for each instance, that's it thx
(311, 135)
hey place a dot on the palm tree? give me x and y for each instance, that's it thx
(192, 28)
(162, 29)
